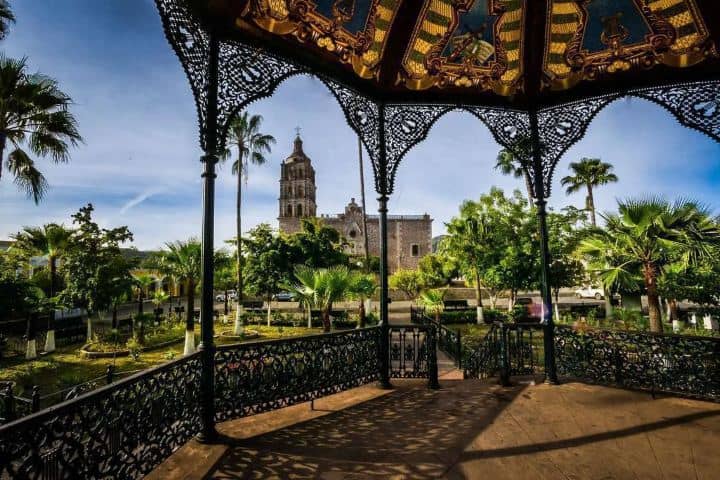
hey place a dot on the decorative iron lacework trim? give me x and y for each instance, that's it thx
(695, 105)
(123, 430)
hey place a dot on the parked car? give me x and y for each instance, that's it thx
(283, 297)
(589, 292)
(232, 295)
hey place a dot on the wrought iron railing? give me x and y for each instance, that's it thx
(123, 430)
(14, 406)
(677, 364)
(413, 352)
(507, 349)
(484, 360)
(449, 340)
(260, 376)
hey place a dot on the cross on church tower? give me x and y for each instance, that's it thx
(297, 131)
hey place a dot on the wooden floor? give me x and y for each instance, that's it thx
(467, 430)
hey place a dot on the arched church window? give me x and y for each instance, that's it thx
(299, 210)
(289, 210)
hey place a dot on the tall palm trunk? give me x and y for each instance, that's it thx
(237, 330)
(591, 205)
(50, 337)
(607, 294)
(362, 199)
(326, 319)
(3, 141)
(361, 313)
(190, 319)
(478, 293)
(650, 277)
(528, 186)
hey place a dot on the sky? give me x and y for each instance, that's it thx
(139, 165)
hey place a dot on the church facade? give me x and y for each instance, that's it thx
(409, 236)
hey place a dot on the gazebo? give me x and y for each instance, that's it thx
(535, 72)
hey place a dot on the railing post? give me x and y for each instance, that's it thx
(9, 403)
(35, 399)
(433, 382)
(384, 270)
(541, 204)
(109, 374)
(504, 357)
(210, 159)
(459, 350)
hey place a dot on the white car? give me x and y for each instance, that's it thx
(221, 297)
(590, 292)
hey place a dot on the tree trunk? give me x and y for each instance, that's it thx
(269, 311)
(480, 318)
(238, 232)
(140, 302)
(653, 298)
(362, 200)
(528, 186)
(674, 309)
(556, 307)
(591, 205)
(50, 338)
(326, 320)
(190, 319)
(226, 303)
(361, 314)
(114, 325)
(3, 140)
(31, 350)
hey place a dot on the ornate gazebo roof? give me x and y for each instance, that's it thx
(481, 52)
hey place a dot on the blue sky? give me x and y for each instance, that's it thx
(140, 163)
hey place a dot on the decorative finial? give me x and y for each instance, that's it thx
(297, 131)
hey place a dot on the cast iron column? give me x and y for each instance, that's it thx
(207, 347)
(384, 291)
(549, 336)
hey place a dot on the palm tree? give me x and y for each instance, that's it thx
(182, 260)
(322, 288)
(510, 162)
(51, 241)
(252, 146)
(589, 173)
(305, 289)
(35, 112)
(646, 237)
(6, 18)
(362, 288)
(434, 302)
(142, 281)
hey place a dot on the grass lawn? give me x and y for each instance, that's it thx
(65, 367)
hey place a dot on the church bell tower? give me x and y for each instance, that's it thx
(297, 189)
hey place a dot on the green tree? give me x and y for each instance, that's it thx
(6, 18)
(94, 267)
(589, 173)
(268, 264)
(36, 113)
(407, 281)
(50, 241)
(698, 283)
(14, 284)
(317, 245)
(182, 261)
(437, 270)
(362, 288)
(434, 302)
(510, 162)
(649, 235)
(142, 283)
(566, 269)
(252, 147)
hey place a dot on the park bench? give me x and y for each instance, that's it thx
(455, 305)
